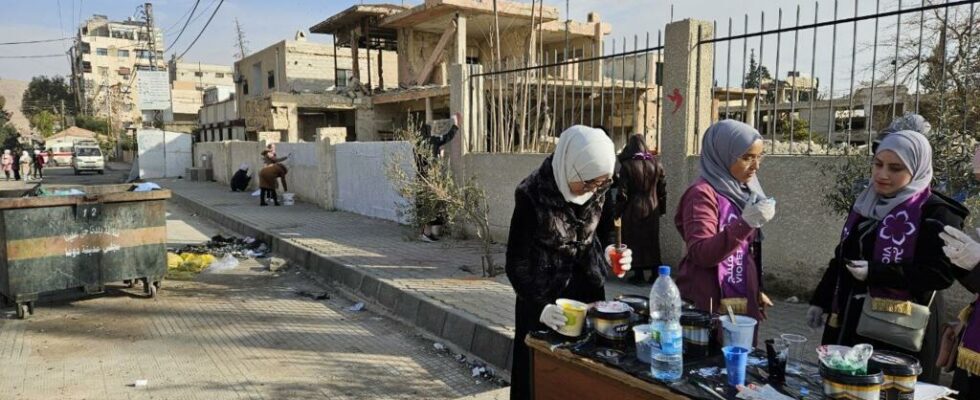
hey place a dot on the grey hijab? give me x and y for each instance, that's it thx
(909, 122)
(723, 143)
(915, 152)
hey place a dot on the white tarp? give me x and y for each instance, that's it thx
(363, 186)
(163, 154)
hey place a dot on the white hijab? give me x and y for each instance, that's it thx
(915, 152)
(582, 154)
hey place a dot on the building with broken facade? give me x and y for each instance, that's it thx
(295, 87)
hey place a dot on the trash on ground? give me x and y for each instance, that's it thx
(276, 264)
(226, 263)
(793, 300)
(439, 346)
(145, 187)
(256, 193)
(477, 371)
(359, 306)
(314, 295)
(140, 383)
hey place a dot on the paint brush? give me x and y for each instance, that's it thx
(618, 223)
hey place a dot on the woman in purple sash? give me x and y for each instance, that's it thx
(964, 252)
(719, 217)
(890, 251)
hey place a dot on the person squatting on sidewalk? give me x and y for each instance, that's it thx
(268, 182)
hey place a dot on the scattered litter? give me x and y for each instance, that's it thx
(460, 358)
(140, 383)
(359, 306)
(41, 192)
(793, 300)
(756, 392)
(477, 371)
(219, 246)
(145, 187)
(439, 346)
(276, 264)
(256, 193)
(314, 295)
(226, 263)
(707, 372)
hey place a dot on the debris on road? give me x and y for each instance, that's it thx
(216, 255)
(226, 263)
(276, 264)
(359, 306)
(439, 346)
(314, 295)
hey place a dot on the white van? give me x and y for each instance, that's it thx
(87, 157)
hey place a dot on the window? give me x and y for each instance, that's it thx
(100, 51)
(219, 75)
(88, 152)
(245, 87)
(343, 76)
(198, 74)
(122, 53)
(271, 78)
(143, 54)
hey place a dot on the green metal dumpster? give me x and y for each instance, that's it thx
(53, 243)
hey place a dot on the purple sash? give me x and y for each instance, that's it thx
(971, 335)
(731, 270)
(895, 242)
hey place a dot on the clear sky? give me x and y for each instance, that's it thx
(266, 22)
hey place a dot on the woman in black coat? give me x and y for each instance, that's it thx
(553, 250)
(891, 251)
(640, 202)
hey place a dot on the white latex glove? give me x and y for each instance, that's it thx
(858, 268)
(553, 317)
(625, 261)
(760, 212)
(814, 317)
(961, 249)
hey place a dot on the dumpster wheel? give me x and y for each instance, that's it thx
(25, 309)
(150, 287)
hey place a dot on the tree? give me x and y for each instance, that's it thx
(94, 124)
(47, 94)
(757, 73)
(4, 114)
(44, 122)
(8, 133)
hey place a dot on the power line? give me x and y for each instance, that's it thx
(188, 22)
(202, 29)
(36, 41)
(34, 56)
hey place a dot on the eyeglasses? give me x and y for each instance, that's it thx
(749, 158)
(595, 185)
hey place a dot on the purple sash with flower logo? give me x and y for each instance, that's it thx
(895, 241)
(731, 270)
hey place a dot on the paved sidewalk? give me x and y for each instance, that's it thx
(435, 286)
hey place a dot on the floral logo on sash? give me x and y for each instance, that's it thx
(897, 228)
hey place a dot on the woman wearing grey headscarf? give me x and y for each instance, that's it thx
(908, 122)
(890, 250)
(719, 217)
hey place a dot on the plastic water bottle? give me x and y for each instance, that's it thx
(665, 312)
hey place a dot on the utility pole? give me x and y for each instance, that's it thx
(240, 34)
(64, 118)
(152, 40)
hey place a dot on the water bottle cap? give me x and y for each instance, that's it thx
(664, 270)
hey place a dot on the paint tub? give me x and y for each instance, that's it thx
(841, 386)
(611, 320)
(901, 373)
(288, 199)
(696, 325)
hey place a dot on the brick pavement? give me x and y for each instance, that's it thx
(426, 284)
(236, 335)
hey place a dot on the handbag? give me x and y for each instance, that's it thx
(897, 329)
(949, 345)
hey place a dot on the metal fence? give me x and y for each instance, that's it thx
(920, 58)
(527, 107)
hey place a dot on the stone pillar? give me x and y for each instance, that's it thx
(459, 50)
(459, 103)
(686, 113)
(328, 139)
(428, 110)
(750, 109)
(292, 113)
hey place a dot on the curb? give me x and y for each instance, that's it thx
(459, 328)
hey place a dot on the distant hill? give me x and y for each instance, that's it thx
(13, 91)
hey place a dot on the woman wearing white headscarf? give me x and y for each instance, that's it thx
(719, 217)
(7, 164)
(553, 251)
(25, 165)
(890, 250)
(241, 179)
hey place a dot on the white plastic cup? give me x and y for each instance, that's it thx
(739, 334)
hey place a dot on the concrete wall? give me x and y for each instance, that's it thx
(305, 177)
(362, 182)
(498, 175)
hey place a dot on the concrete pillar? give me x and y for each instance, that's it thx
(597, 39)
(326, 151)
(750, 110)
(459, 103)
(477, 119)
(459, 50)
(292, 135)
(687, 84)
(428, 110)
